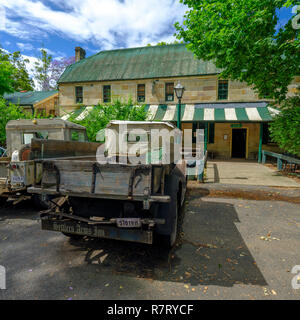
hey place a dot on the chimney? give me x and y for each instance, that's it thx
(79, 54)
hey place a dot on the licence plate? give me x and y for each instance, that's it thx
(129, 222)
(17, 179)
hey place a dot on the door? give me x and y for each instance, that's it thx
(239, 139)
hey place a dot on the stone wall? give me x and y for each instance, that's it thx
(197, 90)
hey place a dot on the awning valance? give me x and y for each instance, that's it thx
(253, 112)
(214, 112)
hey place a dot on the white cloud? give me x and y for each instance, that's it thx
(25, 46)
(106, 23)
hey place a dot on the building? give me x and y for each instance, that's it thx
(234, 118)
(41, 102)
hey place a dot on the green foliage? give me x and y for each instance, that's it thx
(285, 129)
(22, 81)
(13, 73)
(101, 115)
(14, 112)
(6, 79)
(42, 70)
(242, 39)
(9, 112)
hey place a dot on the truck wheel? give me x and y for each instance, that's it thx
(41, 202)
(166, 234)
(75, 237)
(168, 241)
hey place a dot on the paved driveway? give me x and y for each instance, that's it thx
(247, 173)
(229, 249)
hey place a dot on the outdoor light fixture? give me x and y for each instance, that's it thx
(179, 89)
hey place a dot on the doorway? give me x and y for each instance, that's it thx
(239, 140)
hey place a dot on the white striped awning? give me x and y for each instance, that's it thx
(214, 112)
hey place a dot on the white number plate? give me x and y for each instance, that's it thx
(129, 222)
(17, 179)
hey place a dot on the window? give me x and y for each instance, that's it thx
(266, 134)
(34, 135)
(106, 94)
(41, 112)
(223, 90)
(77, 136)
(79, 94)
(141, 93)
(170, 91)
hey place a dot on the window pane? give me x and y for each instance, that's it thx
(170, 91)
(141, 93)
(106, 94)
(223, 90)
(79, 94)
(211, 133)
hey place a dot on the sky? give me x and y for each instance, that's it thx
(61, 25)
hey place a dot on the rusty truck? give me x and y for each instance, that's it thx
(18, 170)
(133, 200)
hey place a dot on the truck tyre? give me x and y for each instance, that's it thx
(40, 202)
(75, 237)
(166, 234)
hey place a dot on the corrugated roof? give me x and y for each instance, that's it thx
(29, 97)
(138, 63)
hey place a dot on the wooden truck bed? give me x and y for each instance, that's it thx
(87, 178)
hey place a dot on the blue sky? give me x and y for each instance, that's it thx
(61, 25)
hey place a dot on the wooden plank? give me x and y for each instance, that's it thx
(58, 148)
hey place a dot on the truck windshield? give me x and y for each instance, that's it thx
(29, 135)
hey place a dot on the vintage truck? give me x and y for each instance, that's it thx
(118, 199)
(18, 170)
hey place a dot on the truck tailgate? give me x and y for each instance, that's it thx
(88, 177)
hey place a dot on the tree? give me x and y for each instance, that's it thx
(101, 115)
(49, 70)
(242, 38)
(22, 81)
(57, 67)
(9, 112)
(14, 71)
(285, 129)
(6, 79)
(41, 68)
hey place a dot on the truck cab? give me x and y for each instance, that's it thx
(17, 169)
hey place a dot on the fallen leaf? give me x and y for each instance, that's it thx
(274, 292)
(107, 285)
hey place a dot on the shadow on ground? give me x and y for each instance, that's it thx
(210, 250)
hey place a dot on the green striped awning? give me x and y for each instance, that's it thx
(248, 112)
(214, 112)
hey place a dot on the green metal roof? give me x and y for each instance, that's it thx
(138, 63)
(29, 97)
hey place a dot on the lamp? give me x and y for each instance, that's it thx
(179, 89)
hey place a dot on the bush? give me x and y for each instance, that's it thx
(101, 115)
(285, 129)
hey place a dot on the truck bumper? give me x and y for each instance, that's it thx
(97, 231)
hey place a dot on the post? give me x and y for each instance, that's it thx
(260, 142)
(179, 114)
(205, 137)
